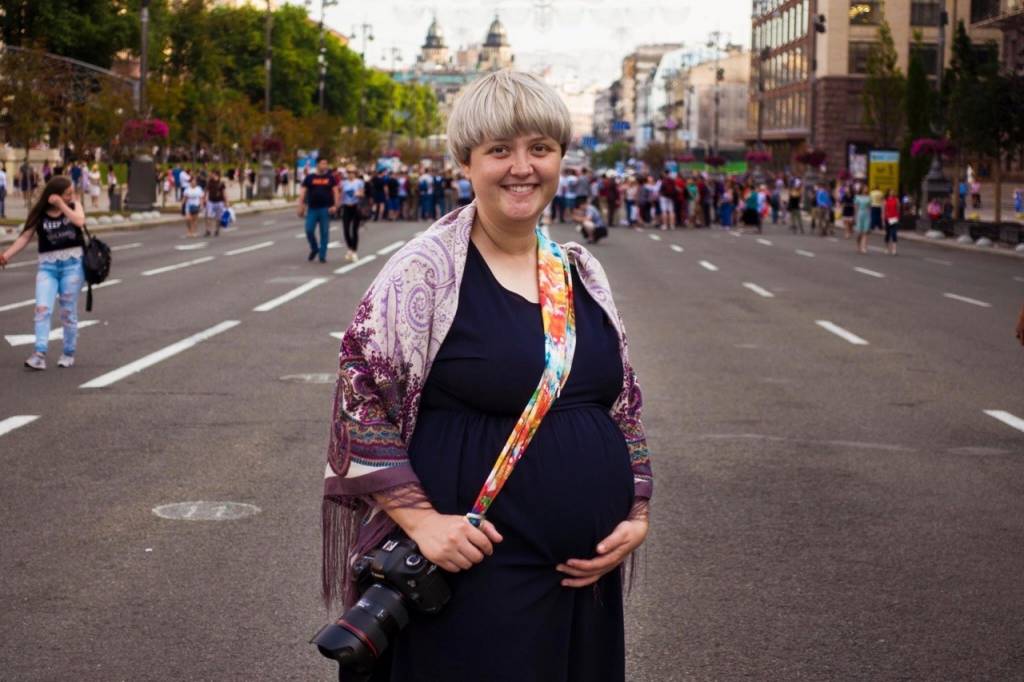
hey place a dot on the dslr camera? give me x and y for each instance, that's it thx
(393, 580)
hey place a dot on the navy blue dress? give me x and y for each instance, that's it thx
(510, 620)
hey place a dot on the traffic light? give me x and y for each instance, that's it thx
(819, 23)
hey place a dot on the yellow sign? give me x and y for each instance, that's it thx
(884, 170)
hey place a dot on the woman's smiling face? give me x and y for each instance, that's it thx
(515, 179)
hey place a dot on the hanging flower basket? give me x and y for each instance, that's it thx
(759, 156)
(843, 175)
(686, 158)
(812, 157)
(932, 146)
(137, 131)
(715, 161)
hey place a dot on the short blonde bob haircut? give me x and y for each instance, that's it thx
(502, 105)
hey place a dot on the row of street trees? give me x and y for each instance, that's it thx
(977, 116)
(206, 80)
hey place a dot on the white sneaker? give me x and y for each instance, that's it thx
(36, 361)
(66, 361)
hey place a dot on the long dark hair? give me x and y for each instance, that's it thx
(58, 184)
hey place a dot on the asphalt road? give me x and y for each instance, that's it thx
(823, 509)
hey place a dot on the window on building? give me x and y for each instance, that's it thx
(929, 55)
(925, 12)
(983, 9)
(865, 11)
(858, 60)
(805, 9)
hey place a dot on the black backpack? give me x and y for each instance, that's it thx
(96, 263)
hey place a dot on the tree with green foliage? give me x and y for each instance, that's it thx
(606, 158)
(983, 111)
(92, 31)
(884, 89)
(918, 107)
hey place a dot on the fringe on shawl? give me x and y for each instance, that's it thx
(351, 527)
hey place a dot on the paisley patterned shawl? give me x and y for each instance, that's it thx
(386, 355)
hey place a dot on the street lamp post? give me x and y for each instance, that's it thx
(715, 42)
(811, 177)
(322, 53)
(265, 181)
(936, 184)
(367, 30)
(142, 170)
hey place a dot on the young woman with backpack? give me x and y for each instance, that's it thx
(56, 220)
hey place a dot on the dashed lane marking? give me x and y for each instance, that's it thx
(294, 293)
(834, 240)
(965, 299)
(801, 252)
(247, 249)
(676, 248)
(192, 247)
(1018, 279)
(338, 335)
(655, 237)
(876, 249)
(871, 273)
(709, 266)
(841, 333)
(122, 247)
(11, 423)
(159, 356)
(300, 235)
(764, 241)
(393, 246)
(939, 261)
(177, 266)
(269, 222)
(22, 264)
(1007, 418)
(30, 301)
(55, 334)
(760, 291)
(352, 266)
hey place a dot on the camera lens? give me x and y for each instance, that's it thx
(363, 632)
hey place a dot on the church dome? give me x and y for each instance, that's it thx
(496, 35)
(435, 36)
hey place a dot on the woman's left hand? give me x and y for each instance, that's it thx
(611, 552)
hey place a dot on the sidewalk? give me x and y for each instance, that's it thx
(138, 221)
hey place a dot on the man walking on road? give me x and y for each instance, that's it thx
(216, 203)
(317, 199)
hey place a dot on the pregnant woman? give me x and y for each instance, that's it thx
(445, 351)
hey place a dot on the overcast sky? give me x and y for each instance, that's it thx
(588, 37)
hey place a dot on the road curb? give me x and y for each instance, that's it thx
(8, 235)
(952, 244)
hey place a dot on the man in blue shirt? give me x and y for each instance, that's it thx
(822, 218)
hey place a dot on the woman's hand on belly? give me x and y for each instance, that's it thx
(448, 540)
(611, 552)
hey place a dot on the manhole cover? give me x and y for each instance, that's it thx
(310, 378)
(206, 511)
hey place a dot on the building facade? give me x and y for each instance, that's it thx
(786, 116)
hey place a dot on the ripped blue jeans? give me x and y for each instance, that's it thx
(63, 279)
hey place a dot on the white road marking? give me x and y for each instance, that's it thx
(676, 248)
(159, 356)
(841, 333)
(972, 301)
(22, 264)
(872, 273)
(939, 261)
(192, 247)
(833, 239)
(11, 423)
(122, 247)
(1018, 279)
(334, 245)
(655, 237)
(268, 222)
(876, 249)
(1006, 418)
(338, 335)
(801, 252)
(300, 235)
(393, 246)
(764, 293)
(247, 249)
(108, 283)
(177, 266)
(55, 334)
(764, 241)
(294, 293)
(17, 304)
(352, 266)
(709, 266)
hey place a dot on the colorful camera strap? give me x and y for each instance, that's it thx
(554, 280)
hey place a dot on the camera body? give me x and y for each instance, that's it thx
(392, 579)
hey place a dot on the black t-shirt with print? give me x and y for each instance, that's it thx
(58, 233)
(320, 190)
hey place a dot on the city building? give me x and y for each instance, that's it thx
(787, 116)
(632, 106)
(1008, 17)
